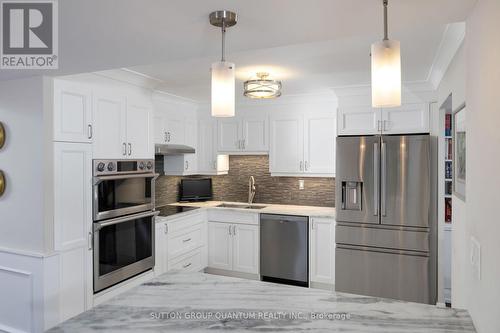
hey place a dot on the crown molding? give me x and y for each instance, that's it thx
(453, 37)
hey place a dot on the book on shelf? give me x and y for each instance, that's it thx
(447, 125)
(447, 210)
(449, 149)
(448, 170)
(447, 188)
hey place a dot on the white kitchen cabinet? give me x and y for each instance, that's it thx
(175, 129)
(365, 120)
(322, 250)
(247, 134)
(73, 225)
(220, 245)
(408, 118)
(246, 248)
(319, 143)
(110, 126)
(122, 126)
(302, 144)
(209, 162)
(358, 120)
(72, 112)
(161, 257)
(233, 247)
(287, 143)
(139, 131)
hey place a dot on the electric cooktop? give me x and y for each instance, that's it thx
(172, 210)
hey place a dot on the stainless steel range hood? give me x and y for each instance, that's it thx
(169, 149)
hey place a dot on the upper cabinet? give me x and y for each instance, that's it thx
(247, 134)
(72, 112)
(364, 120)
(122, 127)
(209, 162)
(303, 144)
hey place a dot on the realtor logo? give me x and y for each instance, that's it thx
(29, 34)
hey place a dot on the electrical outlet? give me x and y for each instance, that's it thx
(301, 184)
(475, 258)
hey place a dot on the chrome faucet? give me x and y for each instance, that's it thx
(251, 189)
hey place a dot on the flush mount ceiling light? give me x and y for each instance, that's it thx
(262, 87)
(386, 70)
(222, 71)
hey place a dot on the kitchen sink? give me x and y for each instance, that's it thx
(242, 206)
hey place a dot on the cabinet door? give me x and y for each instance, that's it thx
(159, 127)
(139, 131)
(255, 133)
(319, 143)
(72, 225)
(220, 245)
(361, 120)
(72, 112)
(228, 133)
(160, 248)
(322, 257)
(206, 150)
(408, 118)
(110, 121)
(175, 128)
(246, 248)
(287, 144)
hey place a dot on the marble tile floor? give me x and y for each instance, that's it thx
(198, 302)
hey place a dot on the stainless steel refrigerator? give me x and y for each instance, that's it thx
(386, 232)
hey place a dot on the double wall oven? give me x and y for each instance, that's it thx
(124, 215)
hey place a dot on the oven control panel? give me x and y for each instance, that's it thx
(117, 167)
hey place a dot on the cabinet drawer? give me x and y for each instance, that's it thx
(185, 222)
(191, 262)
(184, 241)
(232, 216)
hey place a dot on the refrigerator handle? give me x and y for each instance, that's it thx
(375, 178)
(343, 195)
(383, 180)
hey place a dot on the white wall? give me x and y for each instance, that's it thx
(483, 160)
(22, 160)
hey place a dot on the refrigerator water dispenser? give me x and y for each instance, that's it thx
(351, 195)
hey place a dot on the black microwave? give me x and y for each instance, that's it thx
(199, 189)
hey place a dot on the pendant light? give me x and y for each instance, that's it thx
(262, 87)
(222, 71)
(386, 70)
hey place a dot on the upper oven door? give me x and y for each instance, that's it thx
(123, 194)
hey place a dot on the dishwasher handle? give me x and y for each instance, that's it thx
(283, 218)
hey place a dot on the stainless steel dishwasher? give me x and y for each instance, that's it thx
(284, 249)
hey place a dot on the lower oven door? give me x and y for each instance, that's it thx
(123, 247)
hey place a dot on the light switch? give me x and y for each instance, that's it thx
(301, 184)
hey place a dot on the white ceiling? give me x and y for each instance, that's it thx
(322, 43)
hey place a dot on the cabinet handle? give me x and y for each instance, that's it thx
(129, 149)
(89, 131)
(234, 230)
(124, 149)
(243, 144)
(229, 230)
(89, 241)
(300, 166)
(168, 136)
(165, 137)
(187, 165)
(166, 229)
(305, 165)
(186, 240)
(379, 125)
(186, 266)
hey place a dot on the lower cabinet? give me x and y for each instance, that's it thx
(322, 250)
(233, 247)
(181, 244)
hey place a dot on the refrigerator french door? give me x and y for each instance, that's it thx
(386, 217)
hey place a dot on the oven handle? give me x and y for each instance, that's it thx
(99, 225)
(99, 179)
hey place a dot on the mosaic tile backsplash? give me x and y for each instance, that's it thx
(234, 185)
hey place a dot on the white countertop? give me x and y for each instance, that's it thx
(312, 211)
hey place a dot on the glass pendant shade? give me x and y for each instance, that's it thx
(386, 74)
(223, 89)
